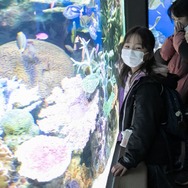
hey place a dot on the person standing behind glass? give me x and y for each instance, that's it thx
(174, 53)
(143, 110)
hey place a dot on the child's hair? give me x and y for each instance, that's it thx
(179, 8)
(148, 41)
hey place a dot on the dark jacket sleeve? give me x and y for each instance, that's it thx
(158, 57)
(183, 50)
(145, 125)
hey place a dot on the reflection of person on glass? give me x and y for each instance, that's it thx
(142, 107)
(174, 53)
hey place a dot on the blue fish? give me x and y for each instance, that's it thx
(72, 11)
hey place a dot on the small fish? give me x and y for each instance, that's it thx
(73, 32)
(72, 11)
(92, 32)
(158, 12)
(69, 48)
(76, 41)
(41, 36)
(156, 22)
(21, 41)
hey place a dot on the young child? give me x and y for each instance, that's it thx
(142, 110)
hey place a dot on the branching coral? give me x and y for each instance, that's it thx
(101, 74)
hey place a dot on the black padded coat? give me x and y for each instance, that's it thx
(143, 111)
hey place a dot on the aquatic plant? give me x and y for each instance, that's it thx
(101, 73)
(101, 78)
(112, 26)
(48, 157)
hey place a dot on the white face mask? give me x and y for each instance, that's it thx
(132, 58)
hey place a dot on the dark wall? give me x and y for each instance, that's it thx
(136, 13)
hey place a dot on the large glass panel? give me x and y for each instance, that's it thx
(58, 91)
(159, 21)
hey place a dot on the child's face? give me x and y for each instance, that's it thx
(134, 43)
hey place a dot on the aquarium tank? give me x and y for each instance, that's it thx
(159, 21)
(58, 91)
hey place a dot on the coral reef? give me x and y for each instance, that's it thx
(17, 122)
(6, 158)
(78, 175)
(78, 114)
(101, 75)
(69, 113)
(48, 157)
(18, 126)
(15, 94)
(36, 66)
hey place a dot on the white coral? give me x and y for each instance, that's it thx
(71, 115)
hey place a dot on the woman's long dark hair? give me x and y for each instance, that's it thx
(148, 42)
(179, 8)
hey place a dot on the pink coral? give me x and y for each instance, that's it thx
(43, 158)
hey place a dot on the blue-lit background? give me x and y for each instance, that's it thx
(159, 21)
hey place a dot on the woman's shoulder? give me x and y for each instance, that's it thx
(155, 83)
(171, 80)
(147, 85)
(148, 81)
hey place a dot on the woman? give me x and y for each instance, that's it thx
(174, 53)
(142, 110)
